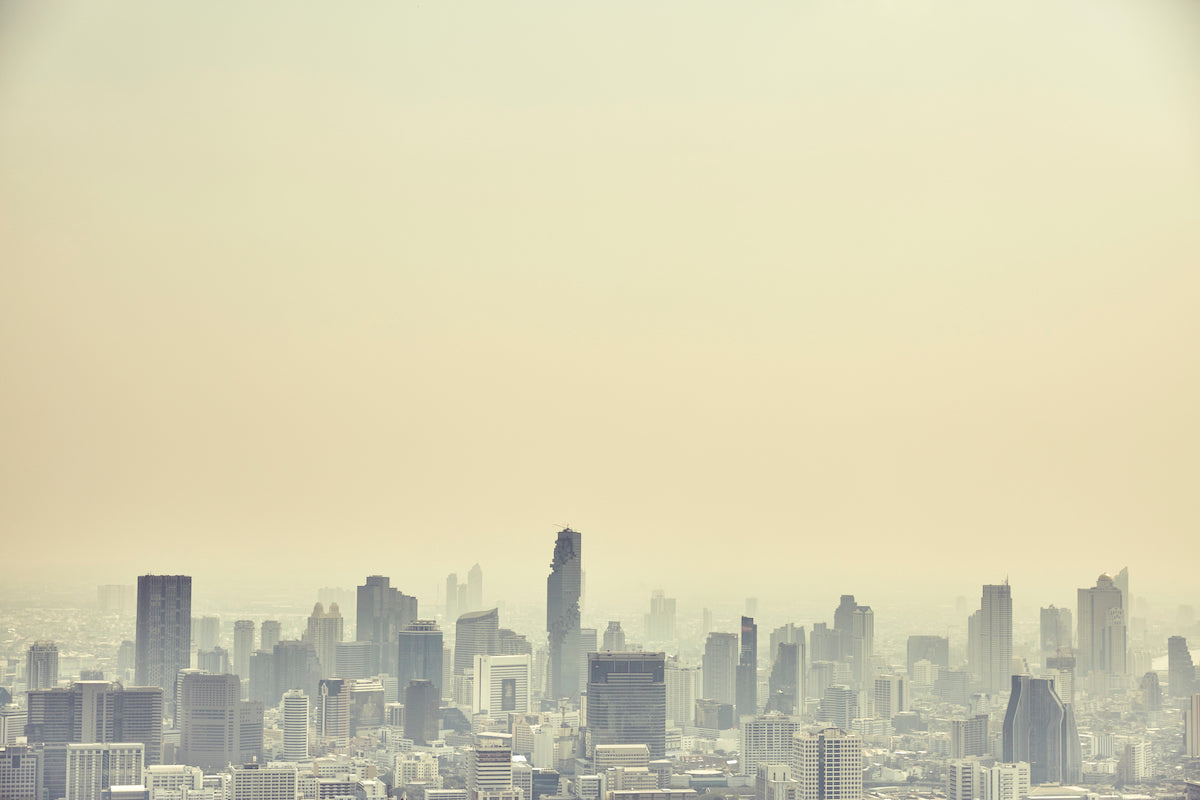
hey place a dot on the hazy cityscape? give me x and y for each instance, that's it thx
(544, 400)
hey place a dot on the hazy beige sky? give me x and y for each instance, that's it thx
(841, 292)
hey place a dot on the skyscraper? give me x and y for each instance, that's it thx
(614, 637)
(325, 631)
(1181, 672)
(452, 609)
(627, 700)
(475, 588)
(660, 622)
(747, 670)
(891, 695)
(490, 767)
(333, 710)
(41, 666)
(420, 654)
(98, 711)
(1056, 630)
(786, 683)
(995, 638)
(383, 611)
(767, 739)
(217, 728)
(164, 631)
(93, 768)
(293, 714)
(421, 712)
(477, 633)
(828, 765)
(502, 684)
(1040, 729)
(243, 646)
(719, 667)
(270, 633)
(1101, 629)
(563, 588)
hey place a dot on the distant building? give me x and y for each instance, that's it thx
(934, 649)
(257, 782)
(243, 646)
(828, 765)
(217, 727)
(614, 638)
(476, 633)
(41, 665)
(422, 703)
(660, 622)
(786, 682)
(420, 653)
(969, 737)
(767, 739)
(164, 630)
(720, 663)
(93, 768)
(1056, 630)
(970, 779)
(333, 710)
(502, 684)
(627, 700)
(839, 706)
(293, 712)
(325, 633)
(1040, 729)
(1181, 672)
(100, 712)
(564, 588)
(891, 695)
(270, 632)
(295, 666)
(382, 612)
(994, 638)
(1101, 629)
(746, 677)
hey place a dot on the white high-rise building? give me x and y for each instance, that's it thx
(891, 695)
(325, 632)
(294, 721)
(93, 768)
(172, 781)
(767, 739)
(681, 693)
(243, 646)
(502, 684)
(256, 782)
(995, 638)
(968, 779)
(489, 767)
(828, 765)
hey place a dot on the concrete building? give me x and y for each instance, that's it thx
(269, 634)
(333, 710)
(489, 767)
(627, 700)
(164, 631)
(767, 739)
(41, 666)
(891, 695)
(1191, 727)
(502, 684)
(243, 646)
(746, 676)
(20, 775)
(564, 587)
(660, 622)
(1057, 631)
(1101, 629)
(477, 633)
(97, 711)
(1181, 672)
(422, 719)
(293, 715)
(94, 768)
(681, 692)
(720, 663)
(325, 633)
(827, 765)
(258, 782)
(383, 611)
(994, 638)
(420, 653)
(217, 727)
(969, 737)
(934, 649)
(614, 638)
(839, 706)
(1040, 730)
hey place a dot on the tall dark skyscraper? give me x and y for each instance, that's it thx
(747, 670)
(383, 611)
(627, 700)
(1040, 729)
(1181, 674)
(420, 653)
(164, 631)
(563, 588)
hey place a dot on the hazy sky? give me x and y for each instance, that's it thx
(838, 292)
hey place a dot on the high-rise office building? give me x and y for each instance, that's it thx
(827, 765)
(93, 768)
(1121, 581)
(1040, 729)
(862, 645)
(358, 659)
(891, 695)
(452, 609)
(270, 633)
(206, 632)
(217, 728)
(934, 649)
(1191, 727)
(257, 782)
(839, 706)
(767, 739)
(1151, 692)
(1057, 630)
(746, 690)
(422, 717)
(786, 683)
(474, 589)
(20, 773)
(502, 684)
(514, 644)
(721, 656)
(41, 665)
(333, 710)
(660, 622)
(969, 737)
(564, 587)
(490, 767)
(627, 700)
(293, 714)
(971, 779)
(295, 666)
(1181, 672)
(420, 650)
(1101, 629)
(243, 646)
(164, 630)
(994, 638)
(614, 637)
(477, 633)
(215, 661)
(325, 632)
(97, 711)
(1062, 668)
(383, 611)
(681, 692)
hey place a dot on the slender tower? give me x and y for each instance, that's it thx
(563, 588)
(164, 631)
